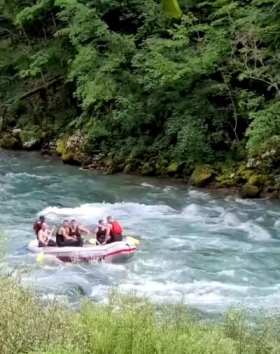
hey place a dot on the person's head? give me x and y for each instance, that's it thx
(73, 222)
(42, 218)
(109, 219)
(101, 222)
(65, 223)
(44, 226)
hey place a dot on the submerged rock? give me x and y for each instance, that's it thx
(201, 175)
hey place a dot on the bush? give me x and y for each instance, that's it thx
(125, 325)
(265, 125)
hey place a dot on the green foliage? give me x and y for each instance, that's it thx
(195, 83)
(265, 125)
(172, 8)
(126, 324)
(32, 13)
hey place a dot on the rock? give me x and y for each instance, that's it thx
(31, 138)
(16, 131)
(201, 175)
(249, 191)
(71, 149)
(113, 165)
(71, 159)
(127, 168)
(61, 146)
(32, 144)
(48, 148)
(173, 168)
(257, 180)
(10, 142)
(147, 169)
(161, 166)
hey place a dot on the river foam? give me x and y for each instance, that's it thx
(209, 252)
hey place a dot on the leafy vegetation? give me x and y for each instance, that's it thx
(125, 325)
(146, 83)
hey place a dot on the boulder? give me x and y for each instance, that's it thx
(258, 180)
(147, 169)
(10, 141)
(31, 138)
(201, 175)
(16, 131)
(71, 158)
(173, 168)
(128, 168)
(61, 146)
(32, 144)
(249, 191)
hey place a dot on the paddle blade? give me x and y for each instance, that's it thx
(133, 240)
(40, 258)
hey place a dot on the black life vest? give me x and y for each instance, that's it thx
(75, 232)
(100, 234)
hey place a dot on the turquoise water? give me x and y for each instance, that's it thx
(208, 251)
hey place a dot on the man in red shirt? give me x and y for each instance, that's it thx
(114, 230)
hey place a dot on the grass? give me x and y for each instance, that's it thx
(127, 325)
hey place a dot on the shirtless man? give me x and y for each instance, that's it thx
(64, 237)
(38, 224)
(44, 236)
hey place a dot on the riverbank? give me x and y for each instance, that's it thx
(252, 178)
(124, 325)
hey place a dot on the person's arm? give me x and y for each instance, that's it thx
(67, 237)
(84, 230)
(64, 233)
(107, 235)
(41, 238)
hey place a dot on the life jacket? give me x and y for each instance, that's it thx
(100, 234)
(59, 236)
(75, 232)
(37, 227)
(116, 229)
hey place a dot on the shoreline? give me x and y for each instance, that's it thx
(211, 187)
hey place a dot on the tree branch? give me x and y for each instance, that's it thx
(41, 88)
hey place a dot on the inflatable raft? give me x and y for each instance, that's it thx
(116, 251)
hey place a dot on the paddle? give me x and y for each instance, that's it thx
(40, 258)
(133, 240)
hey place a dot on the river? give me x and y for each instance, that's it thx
(205, 250)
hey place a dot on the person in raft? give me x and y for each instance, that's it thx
(44, 236)
(77, 230)
(63, 237)
(38, 224)
(100, 232)
(114, 230)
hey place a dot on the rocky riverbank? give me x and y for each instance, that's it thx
(253, 178)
